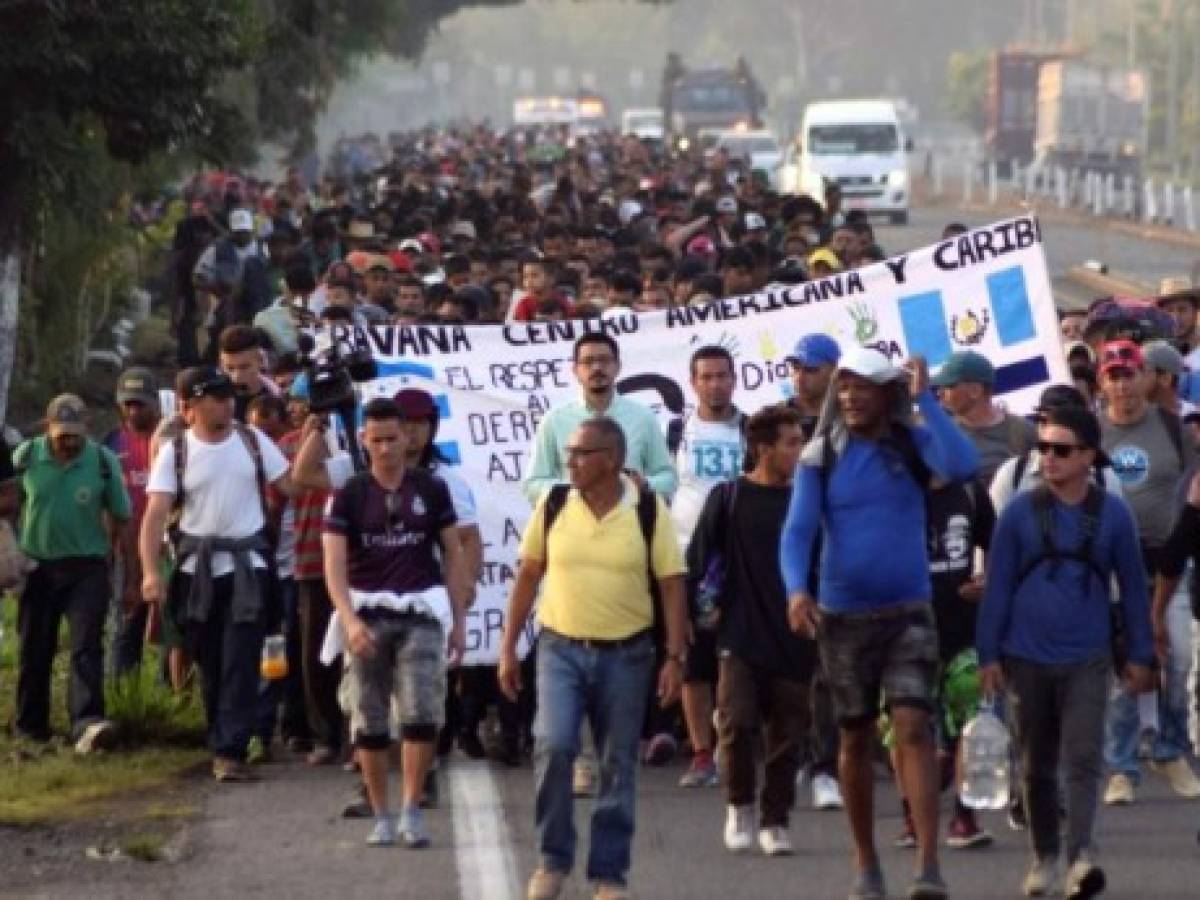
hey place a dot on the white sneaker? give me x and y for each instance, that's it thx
(827, 794)
(1119, 791)
(739, 828)
(775, 841)
(100, 735)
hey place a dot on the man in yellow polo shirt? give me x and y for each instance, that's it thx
(596, 651)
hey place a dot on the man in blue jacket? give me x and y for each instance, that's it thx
(862, 481)
(1045, 631)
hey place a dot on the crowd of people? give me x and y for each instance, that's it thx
(860, 565)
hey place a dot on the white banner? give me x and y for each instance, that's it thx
(987, 290)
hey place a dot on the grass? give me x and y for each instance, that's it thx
(161, 739)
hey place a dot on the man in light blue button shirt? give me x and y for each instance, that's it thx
(597, 362)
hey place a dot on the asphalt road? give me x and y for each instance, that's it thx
(282, 837)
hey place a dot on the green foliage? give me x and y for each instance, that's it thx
(966, 87)
(147, 711)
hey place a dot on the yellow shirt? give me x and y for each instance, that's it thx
(596, 583)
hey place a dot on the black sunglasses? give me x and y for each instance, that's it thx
(1062, 451)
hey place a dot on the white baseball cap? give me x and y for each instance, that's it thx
(871, 364)
(726, 204)
(755, 221)
(628, 211)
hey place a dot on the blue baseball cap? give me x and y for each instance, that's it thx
(816, 350)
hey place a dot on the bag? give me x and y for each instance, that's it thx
(709, 593)
(14, 564)
(1093, 509)
(647, 514)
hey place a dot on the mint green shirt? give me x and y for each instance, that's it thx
(62, 506)
(645, 446)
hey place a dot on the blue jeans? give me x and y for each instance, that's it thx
(1122, 731)
(609, 686)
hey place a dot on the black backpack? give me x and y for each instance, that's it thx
(647, 514)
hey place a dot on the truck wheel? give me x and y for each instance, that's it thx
(899, 218)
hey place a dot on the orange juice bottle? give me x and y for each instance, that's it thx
(274, 658)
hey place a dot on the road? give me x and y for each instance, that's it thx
(281, 838)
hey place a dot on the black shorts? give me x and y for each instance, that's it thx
(893, 651)
(701, 665)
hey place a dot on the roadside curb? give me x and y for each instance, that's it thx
(1106, 285)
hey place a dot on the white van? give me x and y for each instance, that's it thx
(645, 123)
(859, 145)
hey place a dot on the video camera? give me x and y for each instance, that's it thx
(332, 375)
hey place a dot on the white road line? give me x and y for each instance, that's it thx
(482, 849)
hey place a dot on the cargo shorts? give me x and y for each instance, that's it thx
(890, 652)
(406, 676)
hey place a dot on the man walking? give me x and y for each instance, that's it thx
(863, 480)
(1150, 454)
(765, 669)
(1044, 631)
(710, 450)
(69, 484)
(215, 474)
(595, 658)
(397, 610)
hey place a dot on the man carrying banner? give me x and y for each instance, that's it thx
(863, 481)
(596, 653)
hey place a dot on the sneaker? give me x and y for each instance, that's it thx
(384, 832)
(739, 828)
(700, 774)
(322, 755)
(928, 886)
(1180, 776)
(775, 841)
(258, 751)
(964, 832)
(1016, 815)
(907, 838)
(1042, 878)
(358, 807)
(827, 794)
(660, 750)
(226, 770)
(611, 890)
(545, 884)
(412, 829)
(100, 735)
(1084, 879)
(1119, 791)
(869, 885)
(583, 779)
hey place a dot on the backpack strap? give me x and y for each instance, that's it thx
(179, 446)
(355, 491)
(1174, 428)
(1043, 507)
(647, 513)
(250, 440)
(556, 499)
(675, 434)
(1019, 469)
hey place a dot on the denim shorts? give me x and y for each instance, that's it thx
(891, 651)
(408, 666)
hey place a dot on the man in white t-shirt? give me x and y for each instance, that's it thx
(221, 584)
(710, 450)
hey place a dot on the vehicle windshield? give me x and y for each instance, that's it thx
(857, 137)
(715, 97)
(647, 120)
(750, 145)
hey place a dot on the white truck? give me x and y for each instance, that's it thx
(859, 145)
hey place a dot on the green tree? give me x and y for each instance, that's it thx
(966, 87)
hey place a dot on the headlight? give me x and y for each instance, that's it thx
(897, 178)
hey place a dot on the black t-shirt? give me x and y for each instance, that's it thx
(961, 518)
(754, 624)
(397, 532)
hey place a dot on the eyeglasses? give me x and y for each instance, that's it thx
(1122, 354)
(576, 452)
(1059, 450)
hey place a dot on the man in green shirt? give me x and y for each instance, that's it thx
(70, 487)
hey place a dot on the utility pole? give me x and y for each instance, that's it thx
(1171, 118)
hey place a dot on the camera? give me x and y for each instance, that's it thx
(333, 374)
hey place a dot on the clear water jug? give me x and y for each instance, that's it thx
(274, 663)
(985, 762)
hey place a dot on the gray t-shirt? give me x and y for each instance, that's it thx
(1011, 436)
(1148, 464)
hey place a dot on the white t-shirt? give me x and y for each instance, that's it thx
(220, 489)
(339, 469)
(709, 453)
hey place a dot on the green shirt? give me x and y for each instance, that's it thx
(645, 446)
(62, 505)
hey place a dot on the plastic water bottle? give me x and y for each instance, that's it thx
(985, 743)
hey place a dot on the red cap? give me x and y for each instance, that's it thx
(401, 261)
(1122, 354)
(701, 245)
(415, 404)
(430, 242)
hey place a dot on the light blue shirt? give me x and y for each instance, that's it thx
(645, 445)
